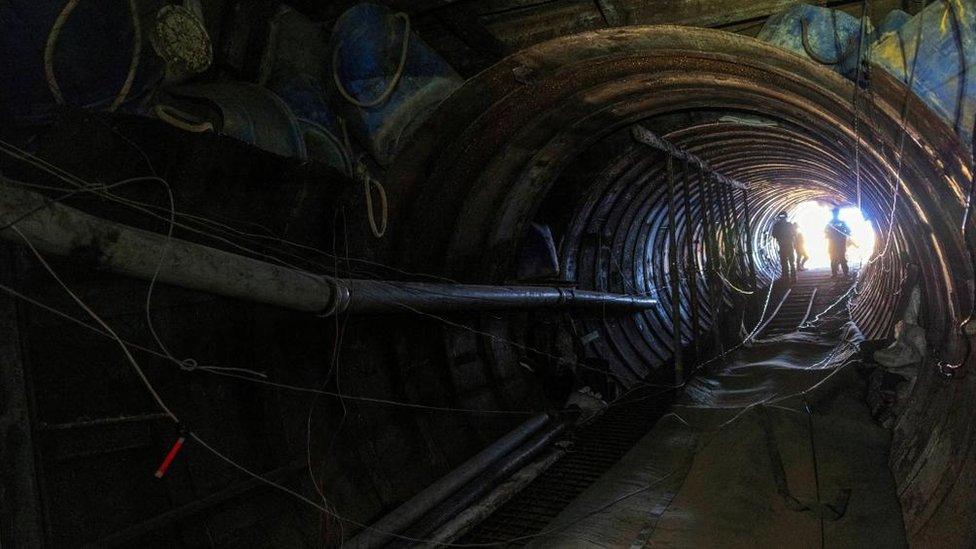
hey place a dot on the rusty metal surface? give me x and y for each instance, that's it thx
(524, 23)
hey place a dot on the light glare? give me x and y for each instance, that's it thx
(812, 218)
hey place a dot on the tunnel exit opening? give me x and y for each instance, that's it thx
(811, 218)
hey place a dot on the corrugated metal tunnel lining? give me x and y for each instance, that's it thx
(598, 140)
(483, 168)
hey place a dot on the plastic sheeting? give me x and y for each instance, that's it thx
(776, 450)
(827, 36)
(934, 51)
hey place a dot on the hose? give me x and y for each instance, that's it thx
(340, 146)
(177, 118)
(133, 62)
(361, 172)
(804, 37)
(383, 97)
(52, 42)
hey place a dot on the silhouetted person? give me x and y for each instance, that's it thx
(801, 249)
(785, 234)
(837, 233)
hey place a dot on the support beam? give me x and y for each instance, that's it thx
(55, 229)
(716, 294)
(652, 139)
(674, 278)
(748, 234)
(691, 267)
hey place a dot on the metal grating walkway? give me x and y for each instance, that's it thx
(597, 447)
(601, 444)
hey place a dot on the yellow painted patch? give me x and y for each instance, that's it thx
(887, 50)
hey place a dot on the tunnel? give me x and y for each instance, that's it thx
(549, 140)
(574, 250)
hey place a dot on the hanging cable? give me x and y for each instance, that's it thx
(125, 349)
(839, 56)
(370, 183)
(52, 42)
(854, 100)
(179, 119)
(397, 75)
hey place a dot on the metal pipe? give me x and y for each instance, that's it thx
(409, 512)
(735, 235)
(502, 494)
(56, 229)
(375, 296)
(489, 479)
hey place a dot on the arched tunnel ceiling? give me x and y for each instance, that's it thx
(486, 161)
(544, 136)
(466, 189)
(473, 35)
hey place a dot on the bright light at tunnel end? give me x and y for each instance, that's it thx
(811, 219)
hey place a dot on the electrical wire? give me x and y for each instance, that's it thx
(896, 181)
(223, 457)
(49, 48)
(333, 367)
(125, 349)
(857, 88)
(370, 183)
(304, 499)
(83, 186)
(252, 376)
(173, 416)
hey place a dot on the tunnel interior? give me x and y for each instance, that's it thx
(572, 164)
(556, 148)
(639, 162)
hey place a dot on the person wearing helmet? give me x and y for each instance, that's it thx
(785, 234)
(801, 249)
(837, 233)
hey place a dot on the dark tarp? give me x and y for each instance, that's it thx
(777, 449)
